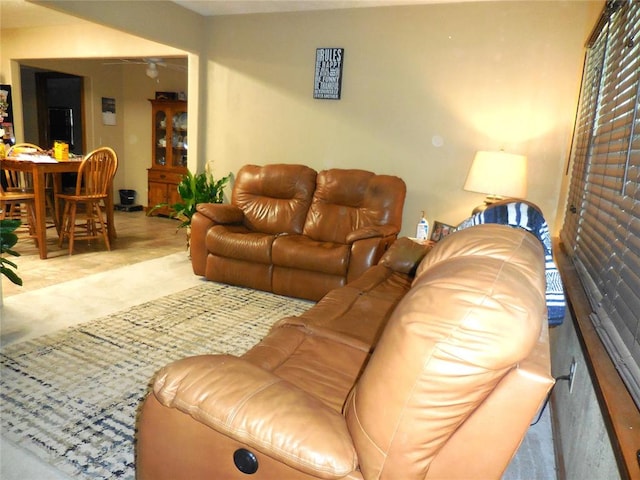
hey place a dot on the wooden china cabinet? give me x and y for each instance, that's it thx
(169, 152)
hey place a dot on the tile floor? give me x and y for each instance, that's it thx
(139, 238)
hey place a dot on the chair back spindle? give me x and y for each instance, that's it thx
(17, 196)
(96, 172)
(95, 176)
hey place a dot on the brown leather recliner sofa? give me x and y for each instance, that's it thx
(293, 231)
(390, 377)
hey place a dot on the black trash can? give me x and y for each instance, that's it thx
(127, 197)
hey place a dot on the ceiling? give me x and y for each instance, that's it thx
(234, 7)
(22, 14)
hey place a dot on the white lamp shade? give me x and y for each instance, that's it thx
(498, 174)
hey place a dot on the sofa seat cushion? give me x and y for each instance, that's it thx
(301, 252)
(255, 409)
(357, 313)
(240, 243)
(323, 367)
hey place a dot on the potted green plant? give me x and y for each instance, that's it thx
(194, 189)
(7, 240)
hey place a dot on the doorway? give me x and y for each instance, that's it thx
(59, 109)
(52, 108)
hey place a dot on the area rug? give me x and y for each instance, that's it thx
(71, 398)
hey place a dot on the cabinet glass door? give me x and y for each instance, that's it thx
(179, 140)
(160, 148)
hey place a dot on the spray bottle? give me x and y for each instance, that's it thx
(422, 230)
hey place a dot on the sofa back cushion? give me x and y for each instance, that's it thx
(347, 200)
(274, 198)
(481, 242)
(465, 323)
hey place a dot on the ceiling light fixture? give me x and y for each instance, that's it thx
(152, 71)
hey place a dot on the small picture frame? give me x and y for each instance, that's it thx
(108, 111)
(441, 230)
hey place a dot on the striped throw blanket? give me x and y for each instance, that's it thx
(523, 215)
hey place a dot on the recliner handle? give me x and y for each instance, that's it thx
(245, 461)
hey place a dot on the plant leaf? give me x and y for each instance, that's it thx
(11, 252)
(9, 225)
(7, 240)
(11, 275)
(195, 189)
(7, 262)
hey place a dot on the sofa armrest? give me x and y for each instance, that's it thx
(371, 232)
(206, 216)
(259, 409)
(221, 213)
(366, 252)
(404, 255)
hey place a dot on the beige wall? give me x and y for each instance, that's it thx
(131, 136)
(424, 87)
(137, 121)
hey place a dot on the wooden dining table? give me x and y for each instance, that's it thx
(40, 167)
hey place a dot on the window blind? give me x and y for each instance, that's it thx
(602, 223)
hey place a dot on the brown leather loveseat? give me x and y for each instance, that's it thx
(393, 376)
(296, 232)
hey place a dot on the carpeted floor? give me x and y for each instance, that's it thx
(71, 397)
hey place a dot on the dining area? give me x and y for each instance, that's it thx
(31, 190)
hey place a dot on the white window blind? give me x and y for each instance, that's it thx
(602, 223)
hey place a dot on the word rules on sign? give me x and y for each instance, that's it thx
(328, 78)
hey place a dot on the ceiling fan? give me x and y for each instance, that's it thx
(152, 65)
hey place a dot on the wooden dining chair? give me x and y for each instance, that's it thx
(23, 182)
(95, 176)
(18, 205)
(17, 197)
(15, 149)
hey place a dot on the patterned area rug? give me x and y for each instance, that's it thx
(72, 397)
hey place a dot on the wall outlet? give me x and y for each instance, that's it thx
(572, 373)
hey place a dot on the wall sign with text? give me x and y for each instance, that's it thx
(328, 78)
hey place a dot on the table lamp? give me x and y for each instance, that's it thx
(498, 175)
